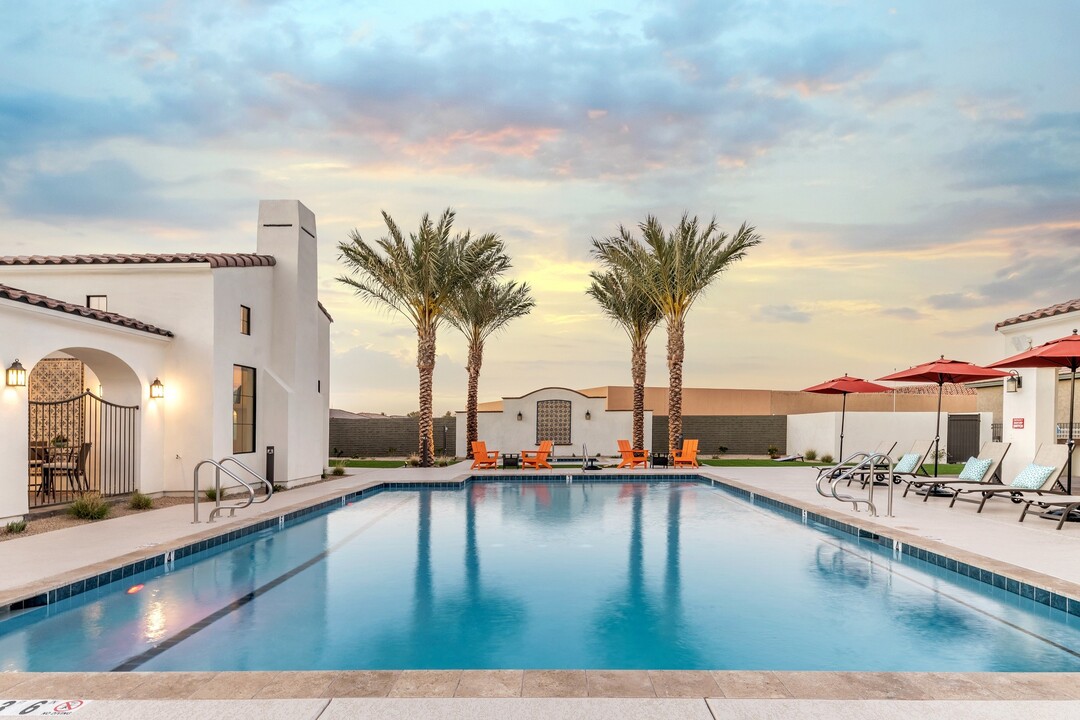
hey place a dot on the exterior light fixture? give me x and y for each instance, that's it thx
(519, 417)
(1014, 382)
(16, 375)
(588, 415)
(157, 390)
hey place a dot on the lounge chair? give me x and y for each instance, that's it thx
(687, 457)
(1048, 455)
(537, 458)
(1067, 503)
(909, 467)
(632, 458)
(482, 458)
(994, 452)
(885, 447)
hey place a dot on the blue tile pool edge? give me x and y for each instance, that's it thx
(1040, 595)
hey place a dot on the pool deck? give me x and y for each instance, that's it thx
(1033, 552)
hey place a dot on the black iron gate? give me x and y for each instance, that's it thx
(963, 437)
(82, 444)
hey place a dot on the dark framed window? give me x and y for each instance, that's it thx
(98, 302)
(245, 320)
(243, 413)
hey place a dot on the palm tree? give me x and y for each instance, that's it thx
(419, 278)
(673, 270)
(478, 312)
(632, 310)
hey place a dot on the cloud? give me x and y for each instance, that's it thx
(903, 313)
(1038, 154)
(783, 313)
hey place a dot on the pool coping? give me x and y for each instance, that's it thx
(1047, 590)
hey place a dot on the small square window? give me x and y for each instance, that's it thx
(98, 302)
(245, 320)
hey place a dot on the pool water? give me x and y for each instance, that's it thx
(604, 575)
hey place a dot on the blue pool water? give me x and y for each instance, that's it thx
(662, 576)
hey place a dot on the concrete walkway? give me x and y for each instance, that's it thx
(44, 561)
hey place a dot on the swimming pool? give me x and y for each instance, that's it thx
(614, 575)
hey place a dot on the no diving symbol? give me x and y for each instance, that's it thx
(68, 706)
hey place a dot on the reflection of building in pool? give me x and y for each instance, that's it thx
(237, 344)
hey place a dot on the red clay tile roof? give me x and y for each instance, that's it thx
(1059, 309)
(215, 260)
(10, 293)
(931, 389)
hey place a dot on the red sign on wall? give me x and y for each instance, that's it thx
(1018, 423)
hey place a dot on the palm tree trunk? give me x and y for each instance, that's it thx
(676, 349)
(425, 363)
(476, 359)
(637, 372)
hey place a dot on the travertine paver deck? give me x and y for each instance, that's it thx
(48, 560)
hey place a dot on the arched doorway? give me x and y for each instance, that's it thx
(83, 429)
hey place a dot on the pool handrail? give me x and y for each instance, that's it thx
(252, 473)
(869, 463)
(218, 507)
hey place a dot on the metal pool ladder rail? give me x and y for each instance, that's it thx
(860, 462)
(219, 467)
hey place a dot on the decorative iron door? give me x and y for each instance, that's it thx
(553, 421)
(79, 445)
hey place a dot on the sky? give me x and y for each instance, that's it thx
(912, 167)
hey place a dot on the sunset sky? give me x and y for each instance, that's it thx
(913, 167)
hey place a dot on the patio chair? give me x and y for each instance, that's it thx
(632, 458)
(885, 447)
(482, 458)
(72, 466)
(537, 458)
(991, 452)
(1048, 455)
(687, 457)
(1067, 503)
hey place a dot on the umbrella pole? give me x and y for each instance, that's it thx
(843, 414)
(937, 430)
(1071, 443)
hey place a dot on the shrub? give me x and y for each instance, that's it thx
(211, 494)
(810, 454)
(827, 459)
(413, 461)
(278, 487)
(90, 507)
(441, 462)
(139, 501)
(773, 451)
(338, 467)
(722, 450)
(15, 526)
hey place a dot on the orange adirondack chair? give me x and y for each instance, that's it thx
(481, 457)
(537, 458)
(632, 458)
(687, 457)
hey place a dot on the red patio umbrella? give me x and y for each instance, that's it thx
(843, 386)
(943, 371)
(1063, 352)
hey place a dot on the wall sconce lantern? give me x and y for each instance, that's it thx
(16, 375)
(519, 417)
(157, 390)
(588, 415)
(1014, 382)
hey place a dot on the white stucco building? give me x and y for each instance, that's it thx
(1036, 411)
(239, 342)
(570, 419)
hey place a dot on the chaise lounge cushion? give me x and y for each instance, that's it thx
(975, 469)
(1032, 477)
(907, 463)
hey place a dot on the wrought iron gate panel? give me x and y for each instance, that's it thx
(82, 444)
